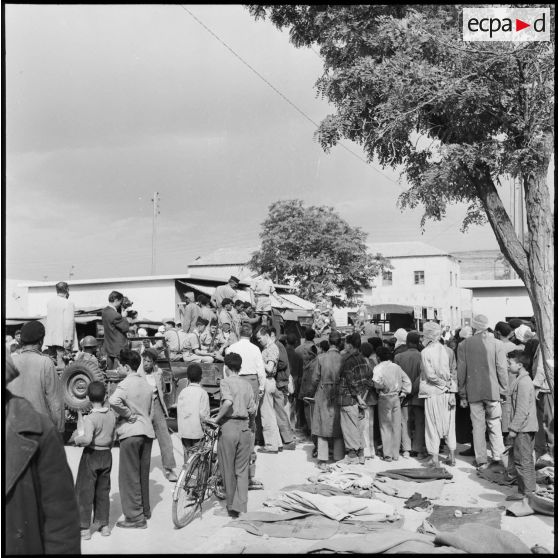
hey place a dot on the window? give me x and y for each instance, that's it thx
(387, 278)
(419, 277)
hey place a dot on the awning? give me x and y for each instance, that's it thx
(389, 309)
(205, 289)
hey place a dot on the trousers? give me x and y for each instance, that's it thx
(252, 379)
(133, 476)
(280, 398)
(544, 415)
(93, 486)
(521, 453)
(233, 450)
(162, 434)
(270, 427)
(323, 448)
(352, 428)
(412, 428)
(487, 415)
(389, 415)
(368, 431)
(190, 446)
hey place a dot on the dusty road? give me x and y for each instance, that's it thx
(207, 533)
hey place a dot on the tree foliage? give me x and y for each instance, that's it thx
(455, 116)
(317, 249)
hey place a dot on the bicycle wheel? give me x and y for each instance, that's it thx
(217, 480)
(188, 492)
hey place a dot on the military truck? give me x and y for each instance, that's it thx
(80, 373)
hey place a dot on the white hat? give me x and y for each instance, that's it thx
(142, 332)
(523, 333)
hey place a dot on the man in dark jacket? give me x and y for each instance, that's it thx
(38, 381)
(412, 408)
(115, 328)
(296, 365)
(41, 511)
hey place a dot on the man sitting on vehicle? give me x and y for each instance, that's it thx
(192, 350)
(88, 350)
(174, 338)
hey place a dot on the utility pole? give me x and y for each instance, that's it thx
(155, 199)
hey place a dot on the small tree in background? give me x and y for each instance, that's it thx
(318, 250)
(455, 116)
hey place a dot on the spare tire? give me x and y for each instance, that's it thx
(75, 378)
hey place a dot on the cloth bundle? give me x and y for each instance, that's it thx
(405, 488)
(345, 478)
(417, 502)
(417, 474)
(334, 507)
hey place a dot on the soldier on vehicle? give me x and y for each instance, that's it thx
(88, 350)
(225, 291)
(263, 289)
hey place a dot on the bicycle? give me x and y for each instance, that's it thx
(199, 479)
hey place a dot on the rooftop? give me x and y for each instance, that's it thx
(405, 249)
(226, 256)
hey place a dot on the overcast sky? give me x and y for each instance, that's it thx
(107, 104)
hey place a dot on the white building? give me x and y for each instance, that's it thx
(424, 282)
(500, 299)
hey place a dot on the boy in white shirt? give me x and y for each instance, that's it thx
(192, 407)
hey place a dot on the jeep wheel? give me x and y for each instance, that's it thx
(75, 378)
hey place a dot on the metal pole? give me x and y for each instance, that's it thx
(155, 200)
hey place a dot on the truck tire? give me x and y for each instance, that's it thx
(75, 378)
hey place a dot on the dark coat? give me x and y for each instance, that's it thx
(326, 420)
(115, 327)
(41, 511)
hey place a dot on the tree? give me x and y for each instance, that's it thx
(455, 116)
(317, 249)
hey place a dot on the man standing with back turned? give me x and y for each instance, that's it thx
(60, 323)
(482, 374)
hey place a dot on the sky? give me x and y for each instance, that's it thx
(107, 104)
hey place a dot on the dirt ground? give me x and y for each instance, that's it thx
(207, 533)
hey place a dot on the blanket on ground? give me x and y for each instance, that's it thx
(294, 525)
(388, 541)
(327, 490)
(482, 539)
(406, 488)
(444, 518)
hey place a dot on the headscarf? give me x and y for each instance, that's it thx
(431, 332)
(401, 337)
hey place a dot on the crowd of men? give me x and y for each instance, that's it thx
(400, 397)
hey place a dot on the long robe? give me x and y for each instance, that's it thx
(326, 421)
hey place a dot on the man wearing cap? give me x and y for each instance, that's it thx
(38, 381)
(191, 314)
(115, 328)
(174, 339)
(225, 291)
(412, 408)
(482, 372)
(60, 324)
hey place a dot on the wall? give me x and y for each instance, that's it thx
(153, 300)
(500, 302)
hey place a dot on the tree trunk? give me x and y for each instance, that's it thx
(540, 280)
(536, 265)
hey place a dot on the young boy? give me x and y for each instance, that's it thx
(93, 478)
(392, 385)
(238, 407)
(523, 425)
(192, 406)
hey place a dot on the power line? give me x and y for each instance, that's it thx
(284, 97)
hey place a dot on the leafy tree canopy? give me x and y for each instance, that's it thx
(317, 249)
